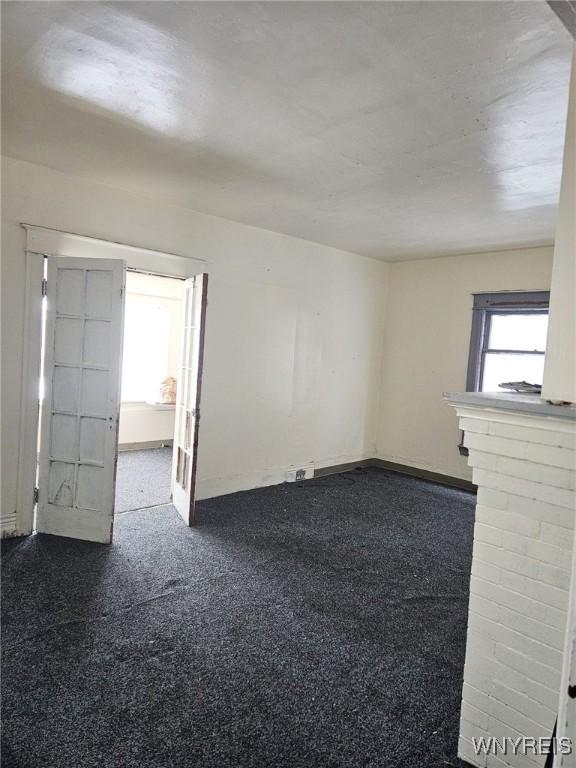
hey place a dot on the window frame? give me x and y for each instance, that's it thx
(485, 306)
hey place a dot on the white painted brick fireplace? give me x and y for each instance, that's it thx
(523, 454)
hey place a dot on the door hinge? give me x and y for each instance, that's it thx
(36, 492)
(44, 286)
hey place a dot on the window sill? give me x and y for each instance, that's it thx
(141, 405)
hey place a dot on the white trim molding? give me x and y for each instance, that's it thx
(54, 242)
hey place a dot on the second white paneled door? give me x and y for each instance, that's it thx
(80, 411)
(185, 457)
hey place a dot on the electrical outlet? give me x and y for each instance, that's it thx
(297, 475)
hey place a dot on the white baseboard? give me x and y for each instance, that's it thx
(8, 528)
(208, 488)
(144, 446)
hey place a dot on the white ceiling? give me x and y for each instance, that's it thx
(391, 129)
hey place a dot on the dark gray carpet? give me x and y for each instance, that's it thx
(312, 626)
(143, 478)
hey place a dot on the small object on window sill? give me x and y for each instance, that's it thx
(168, 391)
(522, 386)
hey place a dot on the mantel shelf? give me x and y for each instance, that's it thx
(517, 403)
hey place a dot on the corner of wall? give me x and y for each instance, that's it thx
(372, 427)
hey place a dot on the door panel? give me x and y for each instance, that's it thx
(187, 422)
(80, 412)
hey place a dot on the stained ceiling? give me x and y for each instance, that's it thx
(390, 129)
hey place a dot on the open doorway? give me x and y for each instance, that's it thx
(73, 372)
(153, 328)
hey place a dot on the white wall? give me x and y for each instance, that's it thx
(293, 341)
(560, 370)
(426, 341)
(142, 423)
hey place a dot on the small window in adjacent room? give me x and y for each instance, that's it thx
(508, 339)
(145, 359)
(152, 321)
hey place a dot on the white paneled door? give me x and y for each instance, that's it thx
(80, 410)
(188, 398)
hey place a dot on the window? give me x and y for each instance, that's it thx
(145, 358)
(508, 339)
(152, 334)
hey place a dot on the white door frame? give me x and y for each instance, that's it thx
(29, 403)
(41, 242)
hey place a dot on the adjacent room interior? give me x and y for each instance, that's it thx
(153, 320)
(288, 384)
